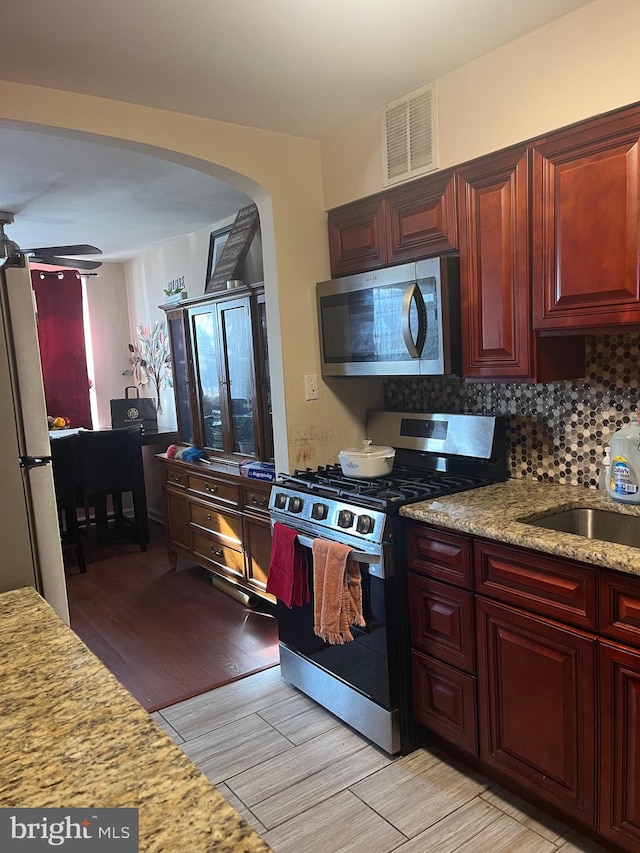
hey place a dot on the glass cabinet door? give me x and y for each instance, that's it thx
(206, 354)
(235, 325)
(263, 378)
(221, 372)
(181, 378)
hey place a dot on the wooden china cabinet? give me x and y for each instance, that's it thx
(215, 517)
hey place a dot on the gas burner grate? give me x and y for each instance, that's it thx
(402, 486)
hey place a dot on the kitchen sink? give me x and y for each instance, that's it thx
(593, 524)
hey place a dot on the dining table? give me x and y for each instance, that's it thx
(73, 473)
(148, 437)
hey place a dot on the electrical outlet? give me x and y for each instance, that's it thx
(311, 387)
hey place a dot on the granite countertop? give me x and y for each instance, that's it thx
(493, 512)
(73, 737)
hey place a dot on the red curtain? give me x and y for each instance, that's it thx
(62, 345)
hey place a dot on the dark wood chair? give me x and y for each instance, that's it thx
(66, 479)
(110, 468)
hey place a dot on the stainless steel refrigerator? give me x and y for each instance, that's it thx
(31, 554)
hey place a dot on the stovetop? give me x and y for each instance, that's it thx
(326, 503)
(436, 455)
(404, 485)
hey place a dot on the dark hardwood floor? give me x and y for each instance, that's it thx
(166, 636)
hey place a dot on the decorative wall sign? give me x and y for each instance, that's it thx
(236, 246)
(176, 285)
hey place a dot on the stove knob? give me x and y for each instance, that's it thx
(295, 504)
(319, 511)
(365, 524)
(280, 501)
(345, 518)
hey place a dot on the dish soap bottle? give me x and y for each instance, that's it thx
(624, 482)
(604, 473)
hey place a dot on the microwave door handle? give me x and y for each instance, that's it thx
(413, 293)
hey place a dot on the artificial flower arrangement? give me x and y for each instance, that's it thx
(150, 359)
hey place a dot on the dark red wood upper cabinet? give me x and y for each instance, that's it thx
(586, 228)
(498, 340)
(421, 219)
(549, 238)
(493, 201)
(357, 237)
(413, 221)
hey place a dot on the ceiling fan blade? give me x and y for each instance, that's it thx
(71, 263)
(80, 249)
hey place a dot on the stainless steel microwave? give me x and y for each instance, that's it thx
(397, 321)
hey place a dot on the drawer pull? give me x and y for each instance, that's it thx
(217, 552)
(258, 501)
(208, 516)
(175, 478)
(211, 489)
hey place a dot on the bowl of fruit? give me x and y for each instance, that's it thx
(58, 423)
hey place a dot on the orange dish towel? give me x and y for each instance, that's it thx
(337, 592)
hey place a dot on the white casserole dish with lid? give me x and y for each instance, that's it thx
(367, 461)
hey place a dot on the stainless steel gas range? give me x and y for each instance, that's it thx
(367, 682)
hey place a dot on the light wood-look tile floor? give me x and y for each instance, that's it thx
(308, 783)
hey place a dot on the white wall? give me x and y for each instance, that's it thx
(147, 277)
(282, 174)
(581, 65)
(108, 311)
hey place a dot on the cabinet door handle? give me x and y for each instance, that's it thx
(211, 489)
(217, 552)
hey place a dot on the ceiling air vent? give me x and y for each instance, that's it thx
(410, 139)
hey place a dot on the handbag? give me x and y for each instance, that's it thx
(129, 411)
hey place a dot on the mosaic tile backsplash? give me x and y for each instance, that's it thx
(556, 431)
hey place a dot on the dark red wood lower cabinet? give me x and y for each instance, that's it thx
(441, 619)
(444, 700)
(620, 745)
(536, 683)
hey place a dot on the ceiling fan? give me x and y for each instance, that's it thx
(57, 256)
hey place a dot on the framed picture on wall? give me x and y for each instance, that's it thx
(216, 245)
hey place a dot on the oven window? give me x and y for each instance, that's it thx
(363, 663)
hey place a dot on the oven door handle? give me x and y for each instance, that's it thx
(358, 556)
